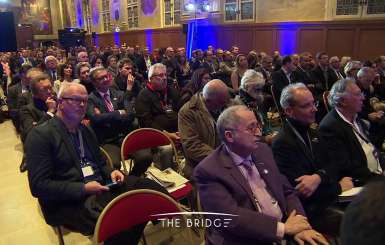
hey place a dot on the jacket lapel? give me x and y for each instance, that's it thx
(236, 173)
(68, 144)
(301, 144)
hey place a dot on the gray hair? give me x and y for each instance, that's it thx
(64, 87)
(49, 58)
(229, 119)
(287, 95)
(337, 91)
(350, 65)
(364, 71)
(251, 76)
(155, 67)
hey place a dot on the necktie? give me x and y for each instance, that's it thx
(54, 76)
(108, 103)
(264, 200)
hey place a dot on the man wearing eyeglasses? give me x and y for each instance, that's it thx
(110, 112)
(240, 178)
(345, 136)
(297, 153)
(66, 171)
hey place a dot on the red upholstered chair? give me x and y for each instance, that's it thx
(148, 138)
(133, 208)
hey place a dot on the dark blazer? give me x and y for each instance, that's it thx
(301, 76)
(342, 149)
(30, 116)
(110, 126)
(150, 112)
(320, 83)
(294, 159)
(279, 82)
(13, 94)
(223, 189)
(54, 172)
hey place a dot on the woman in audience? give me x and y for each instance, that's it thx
(66, 74)
(112, 65)
(251, 95)
(97, 61)
(241, 65)
(199, 79)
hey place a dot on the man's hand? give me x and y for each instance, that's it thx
(346, 183)
(130, 81)
(117, 176)
(296, 223)
(310, 237)
(308, 184)
(375, 116)
(95, 187)
(173, 136)
(51, 105)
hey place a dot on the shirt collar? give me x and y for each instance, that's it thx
(238, 160)
(344, 118)
(102, 94)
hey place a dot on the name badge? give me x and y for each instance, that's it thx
(87, 171)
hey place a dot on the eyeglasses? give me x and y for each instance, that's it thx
(254, 128)
(75, 101)
(309, 105)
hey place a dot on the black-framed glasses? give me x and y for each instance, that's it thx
(75, 101)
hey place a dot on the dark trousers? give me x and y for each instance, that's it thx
(83, 218)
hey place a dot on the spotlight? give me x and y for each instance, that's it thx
(190, 7)
(206, 7)
(117, 29)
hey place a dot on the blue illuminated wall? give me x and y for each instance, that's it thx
(200, 34)
(287, 38)
(117, 38)
(148, 33)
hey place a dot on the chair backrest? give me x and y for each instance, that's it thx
(133, 208)
(144, 138)
(325, 96)
(107, 157)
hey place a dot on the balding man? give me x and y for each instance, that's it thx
(66, 171)
(196, 122)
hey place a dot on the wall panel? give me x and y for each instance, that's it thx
(311, 40)
(340, 41)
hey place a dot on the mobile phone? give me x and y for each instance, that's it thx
(112, 185)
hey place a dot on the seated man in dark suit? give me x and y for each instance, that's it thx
(282, 77)
(125, 79)
(240, 178)
(42, 108)
(110, 113)
(302, 73)
(66, 171)
(297, 153)
(345, 136)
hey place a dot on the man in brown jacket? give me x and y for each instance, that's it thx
(197, 122)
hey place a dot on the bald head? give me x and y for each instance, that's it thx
(215, 94)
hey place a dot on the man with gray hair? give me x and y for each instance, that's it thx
(345, 136)
(197, 120)
(297, 153)
(240, 179)
(67, 173)
(51, 64)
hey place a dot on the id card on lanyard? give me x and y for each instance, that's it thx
(85, 165)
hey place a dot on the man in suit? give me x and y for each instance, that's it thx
(322, 74)
(302, 73)
(297, 153)
(40, 109)
(197, 120)
(335, 66)
(240, 178)
(110, 112)
(66, 171)
(282, 77)
(345, 136)
(51, 64)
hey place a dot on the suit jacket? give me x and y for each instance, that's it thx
(294, 159)
(343, 151)
(301, 76)
(279, 82)
(320, 83)
(30, 116)
(223, 189)
(54, 172)
(13, 94)
(110, 126)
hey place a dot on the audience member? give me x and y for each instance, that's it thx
(83, 76)
(66, 72)
(345, 136)
(51, 64)
(297, 153)
(282, 77)
(197, 120)
(241, 66)
(199, 79)
(66, 171)
(351, 69)
(240, 178)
